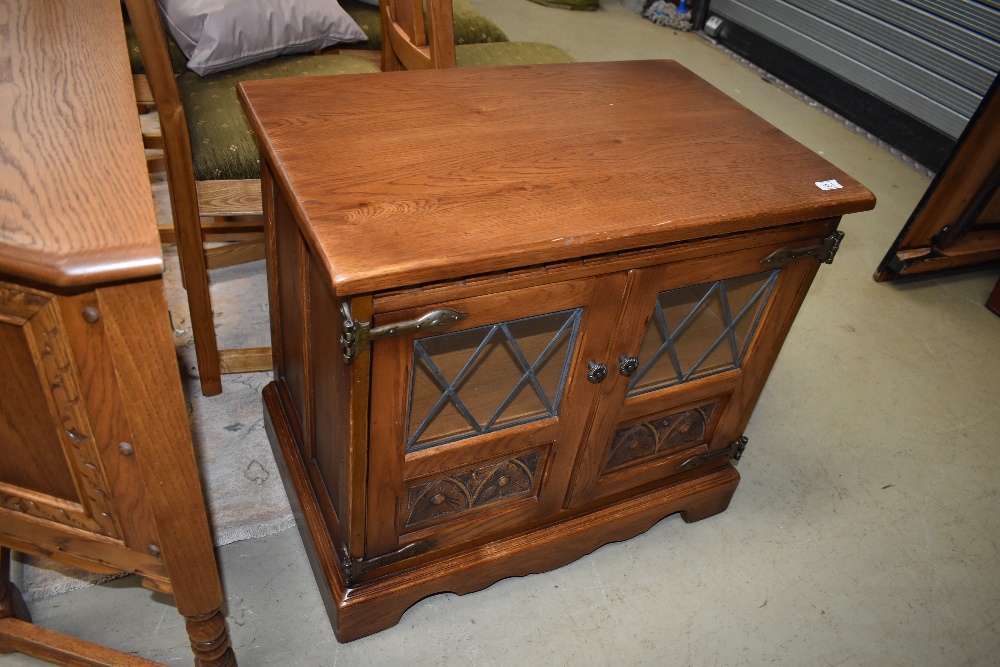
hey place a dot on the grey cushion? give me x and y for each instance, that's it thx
(217, 35)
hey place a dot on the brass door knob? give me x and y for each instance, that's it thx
(596, 372)
(627, 365)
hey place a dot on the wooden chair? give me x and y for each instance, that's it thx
(412, 39)
(213, 171)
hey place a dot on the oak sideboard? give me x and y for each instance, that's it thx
(518, 313)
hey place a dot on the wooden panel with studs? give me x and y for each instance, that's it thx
(31, 319)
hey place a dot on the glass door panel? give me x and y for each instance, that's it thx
(700, 330)
(477, 381)
(477, 427)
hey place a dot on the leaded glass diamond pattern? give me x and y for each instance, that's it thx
(700, 330)
(480, 380)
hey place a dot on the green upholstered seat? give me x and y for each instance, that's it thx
(178, 61)
(586, 5)
(367, 19)
(222, 144)
(471, 27)
(509, 53)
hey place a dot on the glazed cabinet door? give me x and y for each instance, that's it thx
(475, 429)
(697, 340)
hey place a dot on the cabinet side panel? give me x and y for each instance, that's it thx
(291, 256)
(331, 378)
(269, 195)
(32, 454)
(789, 294)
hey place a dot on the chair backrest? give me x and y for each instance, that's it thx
(411, 42)
(152, 40)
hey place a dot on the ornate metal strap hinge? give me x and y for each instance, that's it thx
(358, 336)
(355, 568)
(825, 252)
(733, 452)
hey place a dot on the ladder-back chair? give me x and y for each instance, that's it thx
(213, 171)
(419, 35)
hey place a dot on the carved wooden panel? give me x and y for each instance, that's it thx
(474, 487)
(36, 317)
(659, 436)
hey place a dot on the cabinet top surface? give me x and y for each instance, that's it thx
(410, 177)
(75, 201)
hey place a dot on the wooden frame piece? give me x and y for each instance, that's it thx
(993, 302)
(955, 222)
(18, 633)
(408, 43)
(191, 200)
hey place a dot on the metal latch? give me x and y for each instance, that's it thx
(733, 452)
(355, 568)
(358, 336)
(825, 252)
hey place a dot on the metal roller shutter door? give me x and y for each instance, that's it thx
(933, 60)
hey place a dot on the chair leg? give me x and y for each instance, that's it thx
(206, 347)
(191, 254)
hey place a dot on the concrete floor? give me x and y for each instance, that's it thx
(864, 531)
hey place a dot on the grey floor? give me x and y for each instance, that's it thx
(864, 531)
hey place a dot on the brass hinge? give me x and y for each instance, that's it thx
(825, 252)
(358, 336)
(734, 452)
(355, 568)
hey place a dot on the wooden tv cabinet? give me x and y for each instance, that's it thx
(518, 313)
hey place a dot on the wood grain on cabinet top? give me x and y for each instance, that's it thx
(75, 201)
(408, 177)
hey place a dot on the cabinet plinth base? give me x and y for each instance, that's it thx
(378, 604)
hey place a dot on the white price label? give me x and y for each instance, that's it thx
(828, 185)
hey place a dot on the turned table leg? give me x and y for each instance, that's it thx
(136, 318)
(210, 640)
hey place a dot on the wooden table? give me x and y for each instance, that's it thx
(97, 467)
(557, 290)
